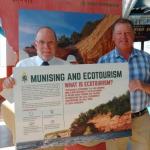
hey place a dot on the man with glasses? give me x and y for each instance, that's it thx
(46, 45)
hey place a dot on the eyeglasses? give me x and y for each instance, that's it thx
(42, 43)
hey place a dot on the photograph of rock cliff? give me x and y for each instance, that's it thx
(82, 37)
(109, 117)
(106, 121)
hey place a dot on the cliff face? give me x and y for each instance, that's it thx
(107, 123)
(88, 50)
(99, 42)
(103, 123)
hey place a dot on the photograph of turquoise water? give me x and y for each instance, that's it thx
(72, 140)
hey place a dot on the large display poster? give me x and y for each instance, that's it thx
(83, 30)
(58, 106)
(82, 36)
(10, 20)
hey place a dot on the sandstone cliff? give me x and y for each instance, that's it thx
(99, 42)
(89, 49)
(107, 122)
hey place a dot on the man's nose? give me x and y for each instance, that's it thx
(124, 34)
(46, 44)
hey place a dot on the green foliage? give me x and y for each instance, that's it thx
(117, 106)
(88, 28)
(90, 113)
(75, 37)
(64, 41)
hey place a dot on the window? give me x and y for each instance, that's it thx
(147, 46)
(137, 45)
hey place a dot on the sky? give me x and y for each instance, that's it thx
(61, 22)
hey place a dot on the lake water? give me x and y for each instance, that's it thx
(72, 140)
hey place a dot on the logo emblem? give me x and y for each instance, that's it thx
(24, 77)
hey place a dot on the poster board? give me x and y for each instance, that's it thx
(83, 28)
(59, 106)
(96, 44)
(10, 20)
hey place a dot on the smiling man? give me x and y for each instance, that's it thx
(139, 82)
(46, 45)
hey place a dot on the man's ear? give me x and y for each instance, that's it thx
(35, 44)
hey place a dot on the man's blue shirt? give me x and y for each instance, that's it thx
(139, 69)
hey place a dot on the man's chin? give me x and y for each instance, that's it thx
(47, 58)
(125, 48)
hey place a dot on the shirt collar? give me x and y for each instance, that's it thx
(133, 53)
(39, 60)
(117, 54)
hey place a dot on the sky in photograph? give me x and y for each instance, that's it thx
(64, 23)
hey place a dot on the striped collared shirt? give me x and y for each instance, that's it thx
(139, 68)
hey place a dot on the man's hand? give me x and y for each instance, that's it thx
(139, 85)
(135, 85)
(8, 83)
